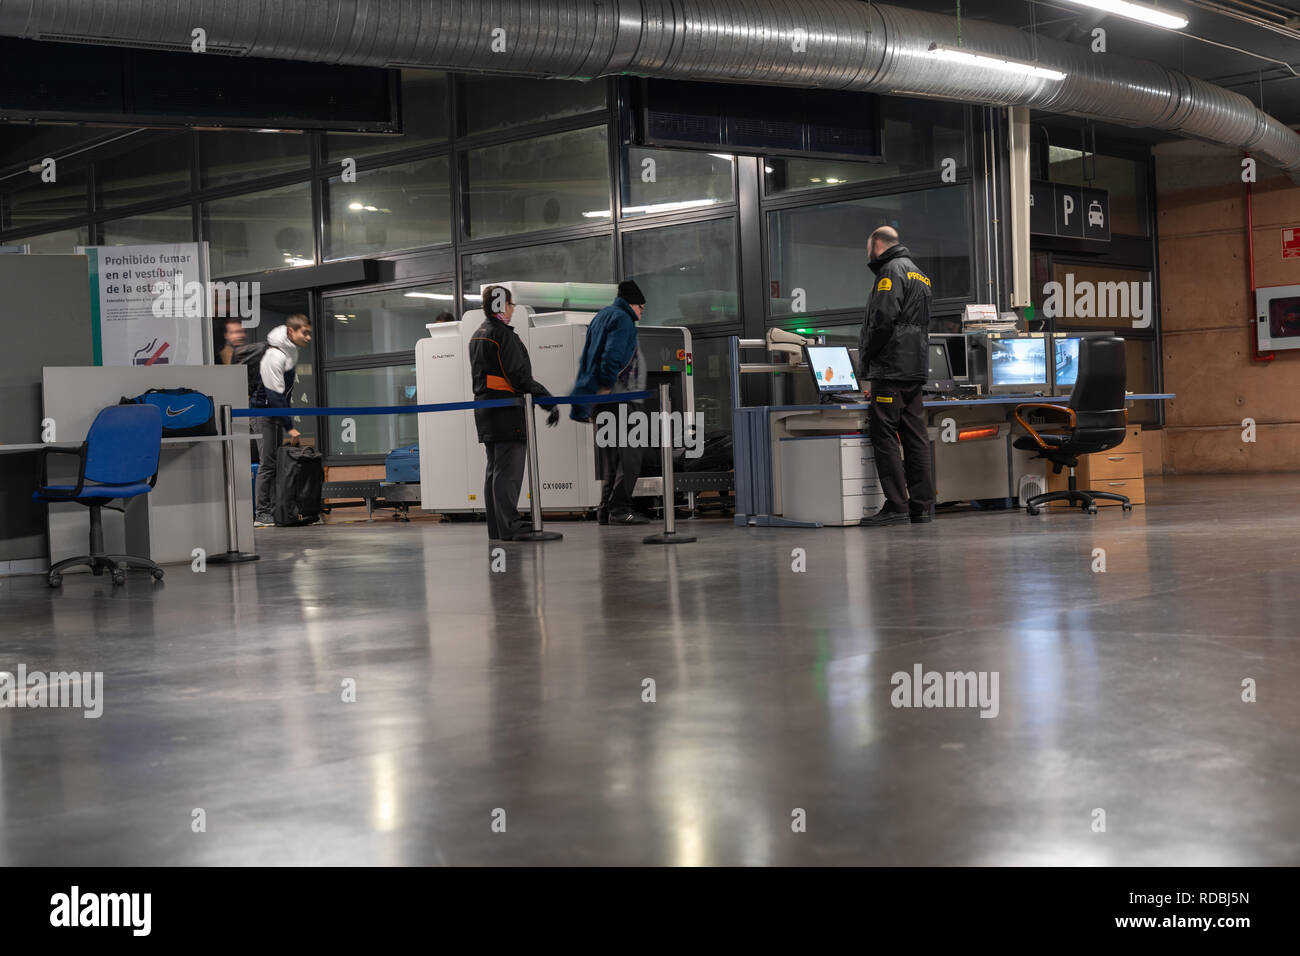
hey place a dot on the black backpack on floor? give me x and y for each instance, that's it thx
(298, 480)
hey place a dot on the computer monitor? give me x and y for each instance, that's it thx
(940, 375)
(1065, 362)
(1018, 364)
(831, 368)
(958, 359)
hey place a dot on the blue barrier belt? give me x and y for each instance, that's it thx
(547, 402)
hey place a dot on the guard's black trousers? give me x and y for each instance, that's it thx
(501, 486)
(905, 477)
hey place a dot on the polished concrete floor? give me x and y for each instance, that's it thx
(522, 691)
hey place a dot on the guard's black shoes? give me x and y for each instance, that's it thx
(923, 518)
(602, 516)
(884, 516)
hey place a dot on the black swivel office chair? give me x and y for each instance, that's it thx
(1095, 417)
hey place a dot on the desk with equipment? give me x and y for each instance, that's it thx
(807, 465)
(186, 509)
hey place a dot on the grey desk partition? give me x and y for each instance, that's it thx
(186, 509)
(44, 320)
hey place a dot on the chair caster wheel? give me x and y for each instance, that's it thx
(1029, 510)
(119, 577)
(1092, 510)
(1125, 506)
(56, 579)
(157, 573)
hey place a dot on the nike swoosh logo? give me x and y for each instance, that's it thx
(172, 413)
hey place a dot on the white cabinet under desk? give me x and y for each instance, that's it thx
(830, 479)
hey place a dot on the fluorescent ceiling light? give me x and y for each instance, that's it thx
(1137, 11)
(653, 207)
(429, 295)
(355, 205)
(955, 54)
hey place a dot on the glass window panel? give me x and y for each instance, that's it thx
(578, 260)
(1121, 178)
(229, 156)
(712, 385)
(55, 243)
(498, 102)
(424, 120)
(687, 272)
(397, 207)
(917, 136)
(542, 183)
(821, 250)
(38, 202)
(152, 170)
(374, 323)
(270, 229)
(170, 225)
(368, 387)
(677, 179)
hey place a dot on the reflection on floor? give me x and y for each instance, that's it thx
(519, 696)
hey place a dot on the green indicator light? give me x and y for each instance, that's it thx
(688, 370)
(803, 330)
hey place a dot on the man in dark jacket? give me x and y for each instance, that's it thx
(894, 356)
(611, 362)
(500, 368)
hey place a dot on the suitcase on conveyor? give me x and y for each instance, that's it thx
(403, 465)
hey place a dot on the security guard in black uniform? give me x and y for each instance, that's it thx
(500, 368)
(894, 355)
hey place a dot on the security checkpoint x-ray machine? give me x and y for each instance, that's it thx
(551, 320)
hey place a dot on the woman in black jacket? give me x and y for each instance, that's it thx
(500, 368)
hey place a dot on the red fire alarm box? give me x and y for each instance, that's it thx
(1291, 242)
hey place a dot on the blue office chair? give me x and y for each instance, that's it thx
(118, 459)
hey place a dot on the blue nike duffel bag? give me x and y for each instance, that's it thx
(185, 412)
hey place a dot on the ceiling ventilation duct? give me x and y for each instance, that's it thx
(829, 44)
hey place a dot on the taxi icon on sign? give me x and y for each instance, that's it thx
(1095, 217)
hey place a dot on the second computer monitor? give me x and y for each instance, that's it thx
(1065, 365)
(940, 373)
(1018, 364)
(958, 359)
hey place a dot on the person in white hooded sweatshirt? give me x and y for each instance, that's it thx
(278, 363)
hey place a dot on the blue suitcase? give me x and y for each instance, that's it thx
(403, 464)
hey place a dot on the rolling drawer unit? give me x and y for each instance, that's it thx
(1118, 470)
(830, 479)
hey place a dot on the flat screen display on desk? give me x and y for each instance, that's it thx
(832, 368)
(939, 370)
(1066, 351)
(1018, 363)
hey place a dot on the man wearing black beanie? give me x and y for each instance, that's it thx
(611, 363)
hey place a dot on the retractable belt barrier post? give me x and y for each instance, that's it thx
(669, 535)
(534, 481)
(233, 555)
